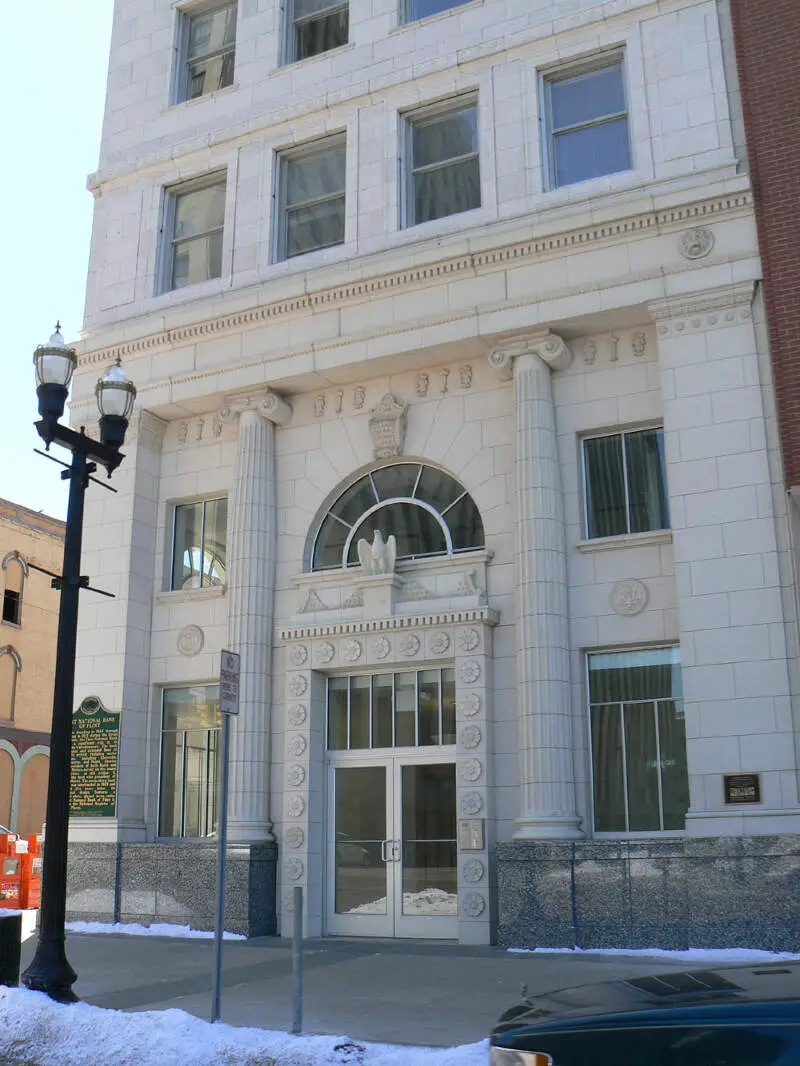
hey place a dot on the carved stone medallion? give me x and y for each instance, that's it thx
(190, 640)
(473, 870)
(471, 803)
(469, 671)
(297, 715)
(629, 597)
(409, 644)
(469, 639)
(382, 647)
(469, 769)
(468, 704)
(288, 902)
(298, 654)
(294, 869)
(473, 905)
(439, 643)
(296, 685)
(324, 652)
(294, 837)
(296, 745)
(295, 806)
(696, 243)
(295, 775)
(351, 651)
(470, 736)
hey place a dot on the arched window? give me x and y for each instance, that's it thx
(10, 666)
(428, 511)
(15, 570)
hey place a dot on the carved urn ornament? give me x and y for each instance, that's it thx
(378, 557)
(387, 425)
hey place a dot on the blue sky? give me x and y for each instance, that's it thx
(52, 83)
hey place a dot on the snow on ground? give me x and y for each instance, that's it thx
(34, 1031)
(729, 956)
(156, 929)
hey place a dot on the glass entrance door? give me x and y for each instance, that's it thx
(392, 852)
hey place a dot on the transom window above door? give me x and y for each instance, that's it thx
(415, 708)
(427, 510)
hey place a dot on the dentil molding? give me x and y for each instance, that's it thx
(484, 615)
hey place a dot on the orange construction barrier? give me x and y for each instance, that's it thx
(31, 870)
(10, 872)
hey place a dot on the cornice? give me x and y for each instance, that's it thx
(396, 281)
(684, 306)
(483, 615)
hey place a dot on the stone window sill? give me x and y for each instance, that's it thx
(190, 595)
(629, 540)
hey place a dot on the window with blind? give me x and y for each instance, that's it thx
(315, 26)
(443, 165)
(638, 740)
(625, 483)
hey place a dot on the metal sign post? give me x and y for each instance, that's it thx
(228, 705)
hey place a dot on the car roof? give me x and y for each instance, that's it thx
(663, 996)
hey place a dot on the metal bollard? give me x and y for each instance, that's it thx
(10, 947)
(297, 959)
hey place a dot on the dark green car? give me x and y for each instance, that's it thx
(734, 1016)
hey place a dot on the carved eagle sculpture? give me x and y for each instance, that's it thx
(378, 557)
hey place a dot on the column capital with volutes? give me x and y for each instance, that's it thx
(264, 402)
(549, 347)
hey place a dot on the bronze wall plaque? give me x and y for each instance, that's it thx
(742, 788)
(95, 745)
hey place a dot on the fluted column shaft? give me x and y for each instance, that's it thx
(251, 573)
(547, 777)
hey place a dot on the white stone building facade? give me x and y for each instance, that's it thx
(482, 276)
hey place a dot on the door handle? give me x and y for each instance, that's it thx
(395, 851)
(384, 856)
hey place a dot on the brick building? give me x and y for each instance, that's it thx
(456, 420)
(27, 661)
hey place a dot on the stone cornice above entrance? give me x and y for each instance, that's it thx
(546, 246)
(690, 305)
(549, 347)
(481, 615)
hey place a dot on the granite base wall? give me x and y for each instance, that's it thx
(173, 883)
(724, 892)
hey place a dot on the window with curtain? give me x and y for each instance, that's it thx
(312, 198)
(189, 761)
(199, 544)
(195, 215)
(625, 483)
(427, 510)
(208, 48)
(586, 122)
(638, 739)
(420, 9)
(316, 26)
(443, 163)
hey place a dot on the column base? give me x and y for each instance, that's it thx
(246, 832)
(533, 826)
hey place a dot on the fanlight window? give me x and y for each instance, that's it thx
(427, 511)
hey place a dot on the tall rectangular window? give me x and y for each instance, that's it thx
(316, 26)
(194, 218)
(207, 49)
(199, 544)
(312, 198)
(586, 119)
(189, 761)
(420, 9)
(639, 777)
(625, 483)
(443, 164)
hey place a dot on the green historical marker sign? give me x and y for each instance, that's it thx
(95, 746)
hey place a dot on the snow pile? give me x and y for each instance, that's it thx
(426, 901)
(156, 929)
(34, 1031)
(729, 956)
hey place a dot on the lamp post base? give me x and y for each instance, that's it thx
(51, 973)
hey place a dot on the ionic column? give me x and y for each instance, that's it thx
(251, 572)
(546, 769)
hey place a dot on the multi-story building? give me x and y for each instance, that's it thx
(456, 421)
(29, 543)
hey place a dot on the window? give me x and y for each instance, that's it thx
(199, 544)
(189, 761)
(420, 9)
(638, 738)
(415, 708)
(10, 666)
(194, 219)
(625, 483)
(316, 26)
(15, 569)
(587, 124)
(208, 47)
(429, 513)
(312, 198)
(443, 166)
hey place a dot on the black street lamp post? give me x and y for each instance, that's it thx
(49, 970)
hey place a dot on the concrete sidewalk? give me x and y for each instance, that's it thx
(405, 992)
